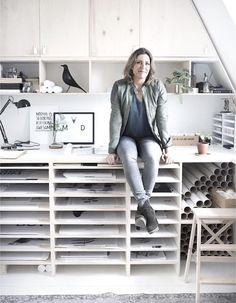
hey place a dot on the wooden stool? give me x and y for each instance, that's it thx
(203, 217)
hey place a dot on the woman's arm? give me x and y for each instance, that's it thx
(162, 117)
(115, 120)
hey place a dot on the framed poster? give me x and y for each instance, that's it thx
(74, 127)
(41, 122)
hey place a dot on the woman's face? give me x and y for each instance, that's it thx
(141, 67)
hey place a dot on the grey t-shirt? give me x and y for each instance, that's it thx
(137, 125)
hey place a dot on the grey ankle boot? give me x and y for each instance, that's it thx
(146, 216)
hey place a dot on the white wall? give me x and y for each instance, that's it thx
(222, 31)
(187, 114)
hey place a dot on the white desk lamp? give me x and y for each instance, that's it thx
(20, 104)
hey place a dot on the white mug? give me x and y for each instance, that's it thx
(195, 90)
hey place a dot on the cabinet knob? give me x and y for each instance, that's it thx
(205, 51)
(104, 33)
(35, 50)
(131, 30)
(44, 49)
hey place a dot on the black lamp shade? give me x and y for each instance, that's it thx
(22, 103)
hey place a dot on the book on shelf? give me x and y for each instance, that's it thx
(82, 255)
(25, 242)
(22, 203)
(93, 201)
(89, 188)
(10, 80)
(147, 255)
(88, 215)
(24, 256)
(88, 230)
(11, 86)
(165, 188)
(89, 175)
(22, 189)
(24, 229)
(153, 243)
(87, 243)
(35, 217)
(164, 230)
(10, 91)
(22, 174)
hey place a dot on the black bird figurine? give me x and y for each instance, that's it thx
(68, 79)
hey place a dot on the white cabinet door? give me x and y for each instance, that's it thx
(114, 27)
(64, 27)
(19, 27)
(173, 28)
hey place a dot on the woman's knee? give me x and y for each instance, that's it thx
(127, 156)
(127, 150)
(152, 158)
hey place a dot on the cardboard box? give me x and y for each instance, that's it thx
(185, 140)
(224, 198)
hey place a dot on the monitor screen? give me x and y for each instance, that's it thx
(74, 127)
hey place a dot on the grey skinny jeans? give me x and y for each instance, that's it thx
(149, 151)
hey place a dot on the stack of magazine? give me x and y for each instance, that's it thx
(11, 85)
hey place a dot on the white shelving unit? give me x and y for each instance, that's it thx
(161, 247)
(79, 211)
(224, 129)
(97, 75)
(90, 214)
(25, 215)
(83, 214)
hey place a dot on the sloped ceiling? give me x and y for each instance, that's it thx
(222, 31)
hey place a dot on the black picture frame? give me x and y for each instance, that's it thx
(74, 127)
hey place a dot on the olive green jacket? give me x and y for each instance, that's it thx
(155, 99)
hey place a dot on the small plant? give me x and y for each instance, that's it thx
(57, 126)
(205, 139)
(181, 79)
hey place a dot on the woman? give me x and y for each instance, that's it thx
(138, 128)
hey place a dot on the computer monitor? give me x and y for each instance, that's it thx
(74, 127)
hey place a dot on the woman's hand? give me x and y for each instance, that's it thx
(166, 157)
(112, 158)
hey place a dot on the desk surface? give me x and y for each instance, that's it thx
(184, 154)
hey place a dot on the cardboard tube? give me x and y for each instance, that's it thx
(207, 194)
(207, 203)
(230, 184)
(190, 216)
(220, 178)
(196, 200)
(213, 168)
(215, 184)
(223, 172)
(228, 178)
(223, 184)
(207, 172)
(203, 187)
(189, 185)
(208, 183)
(201, 196)
(230, 171)
(186, 192)
(185, 207)
(191, 178)
(190, 203)
(196, 172)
